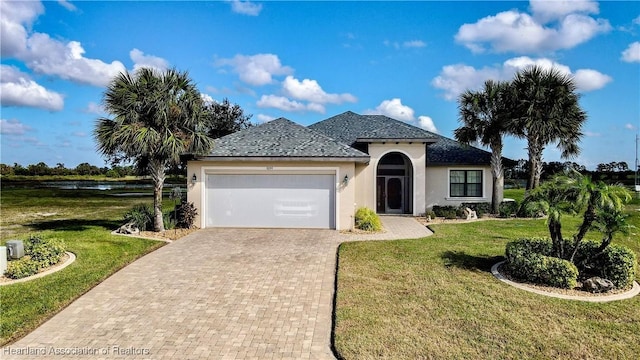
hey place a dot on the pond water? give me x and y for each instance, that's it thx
(88, 185)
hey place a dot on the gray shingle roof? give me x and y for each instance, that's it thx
(446, 151)
(283, 138)
(351, 128)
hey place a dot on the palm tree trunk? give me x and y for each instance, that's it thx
(157, 175)
(498, 178)
(535, 160)
(589, 217)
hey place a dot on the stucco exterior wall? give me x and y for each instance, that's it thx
(416, 153)
(345, 193)
(437, 186)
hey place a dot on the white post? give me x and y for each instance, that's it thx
(3, 259)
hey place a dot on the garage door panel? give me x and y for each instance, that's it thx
(298, 201)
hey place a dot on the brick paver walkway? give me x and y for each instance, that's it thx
(215, 294)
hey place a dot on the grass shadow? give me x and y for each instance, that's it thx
(465, 261)
(74, 224)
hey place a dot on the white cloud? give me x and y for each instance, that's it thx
(414, 44)
(93, 108)
(588, 80)
(207, 99)
(245, 7)
(67, 5)
(256, 69)
(79, 134)
(13, 127)
(406, 44)
(310, 90)
(262, 118)
(632, 53)
(554, 25)
(547, 10)
(45, 55)
(149, 61)
(629, 126)
(396, 110)
(15, 18)
(592, 134)
(285, 104)
(426, 123)
(454, 79)
(636, 21)
(17, 89)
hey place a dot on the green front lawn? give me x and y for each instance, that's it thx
(436, 298)
(84, 220)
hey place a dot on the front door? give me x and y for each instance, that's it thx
(394, 195)
(390, 199)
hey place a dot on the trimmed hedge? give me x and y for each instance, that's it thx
(616, 263)
(39, 254)
(530, 260)
(367, 220)
(445, 211)
(527, 260)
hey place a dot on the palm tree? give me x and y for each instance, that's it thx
(547, 111)
(485, 116)
(156, 118)
(602, 205)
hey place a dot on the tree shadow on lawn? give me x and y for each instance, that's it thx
(465, 261)
(74, 224)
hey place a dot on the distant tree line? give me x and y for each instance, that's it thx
(613, 172)
(84, 169)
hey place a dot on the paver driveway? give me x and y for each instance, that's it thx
(215, 294)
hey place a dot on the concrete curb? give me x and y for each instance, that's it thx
(56, 268)
(604, 298)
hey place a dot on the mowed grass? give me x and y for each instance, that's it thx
(84, 220)
(435, 298)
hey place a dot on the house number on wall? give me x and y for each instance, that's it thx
(269, 167)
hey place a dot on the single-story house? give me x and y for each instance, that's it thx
(282, 174)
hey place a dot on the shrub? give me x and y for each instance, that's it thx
(528, 260)
(446, 211)
(39, 254)
(141, 215)
(18, 269)
(46, 252)
(508, 209)
(616, 263)
(168, 221)
(480, 208)
(366, 219)
(187, 213)
(430, 213)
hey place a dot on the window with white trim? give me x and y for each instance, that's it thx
(465, 183)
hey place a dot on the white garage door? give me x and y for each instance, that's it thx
(273, 201)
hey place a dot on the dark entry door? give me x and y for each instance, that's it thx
(394, 195)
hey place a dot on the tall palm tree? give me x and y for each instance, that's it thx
(157, 116)
(485, 115)
(547, 111)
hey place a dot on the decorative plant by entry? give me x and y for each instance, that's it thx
(367, 220)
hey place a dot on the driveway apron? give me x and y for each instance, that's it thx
(215, 294)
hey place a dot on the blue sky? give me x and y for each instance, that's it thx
(307, 61)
